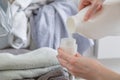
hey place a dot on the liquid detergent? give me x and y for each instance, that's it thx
(102, 24)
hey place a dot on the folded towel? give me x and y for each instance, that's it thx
(43, 57)
(27, 79)
(56, 74)
(15, 51)
(28, 65)
(25, 73)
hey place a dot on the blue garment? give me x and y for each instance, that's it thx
(48, 25)
(3, 24)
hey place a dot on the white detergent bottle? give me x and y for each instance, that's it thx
(102, 24)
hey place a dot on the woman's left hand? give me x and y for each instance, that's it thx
(79, 66)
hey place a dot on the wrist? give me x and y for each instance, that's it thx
(107, 74)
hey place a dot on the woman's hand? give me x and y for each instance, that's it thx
(95, 6)
(84, 67)
(80, 66)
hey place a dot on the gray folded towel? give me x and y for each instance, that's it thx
(28, 79)
(14, 51)
(56, 74)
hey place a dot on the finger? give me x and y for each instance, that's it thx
(86, 3)
(78, 55)
(62, 62)
(71, 59)
(64, 55)
(99, 8)
(65, 64)
(81, 6)
(90, 12)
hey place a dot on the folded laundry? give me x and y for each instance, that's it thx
(55, 74)
(14, 51)
(27, 79)
(25, 73)
(43, 57)
(28, 65)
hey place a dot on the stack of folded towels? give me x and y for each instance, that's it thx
(40, 64)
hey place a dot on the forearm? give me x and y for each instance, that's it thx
(107, 74)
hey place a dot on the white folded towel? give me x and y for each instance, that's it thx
(43, 57)
(23, 74)
(27, 65)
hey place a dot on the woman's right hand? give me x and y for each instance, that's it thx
(95, 6)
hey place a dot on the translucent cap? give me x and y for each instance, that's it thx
(69, 45)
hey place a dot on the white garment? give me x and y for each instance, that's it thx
(20, 37)
(21, 12)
